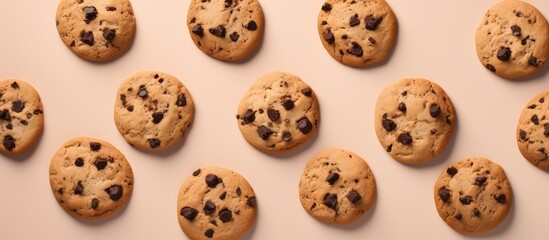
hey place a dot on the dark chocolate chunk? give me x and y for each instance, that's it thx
(61, 190)
(79, 162)
(9, 126)
(388, 124)
(286, 136)
(458, 216)
(500, 198)
(238, 191)
(209, 233)
(522, 134)
(17, 106)
(516, 30)
(157, 117)
(355, 50)
(480, 180)
(344, 36)
(466, 200)
(444, 194)
(24, 122)
(14, 85)
(109, 34)
(434, 110)
(545, 130)
(451, 171)
(225, 215)
(197, 172)
(78, 188)
(518, 14)
(5, 115)
(405, 138)
(504, 53)
(264, 132)
(223, 195)
(332, 178)
(198, 30)
(101, 163)
(372, 40)
(372, 23)
(228, 3)
(402, 107)
(219, 31)
(87, 37)
(307, 92)
(354, 196)
(95, 146)
(304, 125)
(209, 207)
(248, 116)
(111, 9)
(115, 192)
(252, 26)
(535, 119)
(490, 67)
(154, 143)
(288, 104)
(389, 148)
(234, 36)
(354, 20)
(95, 203)
(90, 13)
(181, 100)
(533, 61)
(37, 112)
(329, 37)
(189, 213)
(130, 108)
(273, 114)
(326, 7)
(142, 93)
(330, 200)
(251, 201)
(9, 142)
(476, 212)
(212, 180)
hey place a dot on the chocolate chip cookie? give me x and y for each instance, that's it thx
(90, 178)
(21, 116)
(216, 203)
(473, 195)
(153, 110)
(513, 39)
(414, 120)
(96, 30)
(337, 186)
(279, 113)
(359, 32)
(228, 30)
(533, 131)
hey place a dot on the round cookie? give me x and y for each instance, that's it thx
(357, 33)
(228, 30)
(279, 113)
(90, 178)
(96, 30)
(337, 186)
(21, 116)
(533, 131)
(216, 203)
(414, 120)
(473, 195)
(512, 39)
(153, 110)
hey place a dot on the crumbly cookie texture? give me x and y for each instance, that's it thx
(228, 30)
(359, 32)
(216, 203)
(414, 120)
(21, 116)
(153, 110)
(473, 195)
(96, 30)
(513, 39)
(90, 178)
(337, 186)
(533, 131)
(278, 113)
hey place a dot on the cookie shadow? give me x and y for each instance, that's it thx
(23, 157)
(102, 221)
(499, 230)
(358, 224)
(537, 76)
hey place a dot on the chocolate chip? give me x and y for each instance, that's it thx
(518, 14)
(273, 114)
(37, 112)
(228, 3)
(344, 36)
(452, 171)
(209, 233)
(251, 201)
(389, 148)
(324, 23)
(9, 142)
(516, 30)
(264, 132)
(14, 85)
(330, 200)
(142, 93)
(372, 40)
(5, 115)
(326, 7)
(286, 136)
(332, 178)
(329, 37)
(115, 192)
(130, 108)
(100, 163)
(533, 61)
(61, 190)
(90, 13)
(181, 100)
(541, 100)
(490, 67)
(504, 53)
(197, 172)
(355, 50)
(87, 37)
(109, 34)
(78, 188)
(546, 130)
(444, 194)
(154, 143)
(388, 124)
(79, 162)
(535, 119)
(500, 198)
(198, 30)
(17, 106)
(225, 215)
(209, 207)
(248, 116)
(307, 91)
(354, 196)
(157, 117)
(458, 216)
(480, 180)
(252, 26)
(372, 23)
(95, 146)
(522, 134)
(288, 104)
(234, 36)
(212, 180)
(405, 138)
(525, 40)
(476, 212)
(95, 203)
(223, 195)
(111, 9)
(434, 110)
(73, 43)
(304, 125)
(466, 200)
(404, 94)
(402, 107)
(189, 213)
(533, 106)
(238, 191)
(354, 20)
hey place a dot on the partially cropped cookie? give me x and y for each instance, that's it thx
(216, 203)
(279, 113)
(228, 30)
(359, 32)
(90, 178)
(473, 195)
(21, 116)
(153, 110)
(96, 30)
(414, 120)
(533, 131)
(513, 39)
(337, 186)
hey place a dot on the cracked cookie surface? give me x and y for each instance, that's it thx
(216, 203)
(90, 178)
(337, 186)
(278, 113)
(414, 120)
(21, 116)
(153, 110)
(513, 39)
(96, 30)
(473, 195)
(533, 131)
(357, 32)
(228, 30)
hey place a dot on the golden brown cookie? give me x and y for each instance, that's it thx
(533, 131)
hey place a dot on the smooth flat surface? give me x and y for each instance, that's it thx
(436, 41)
